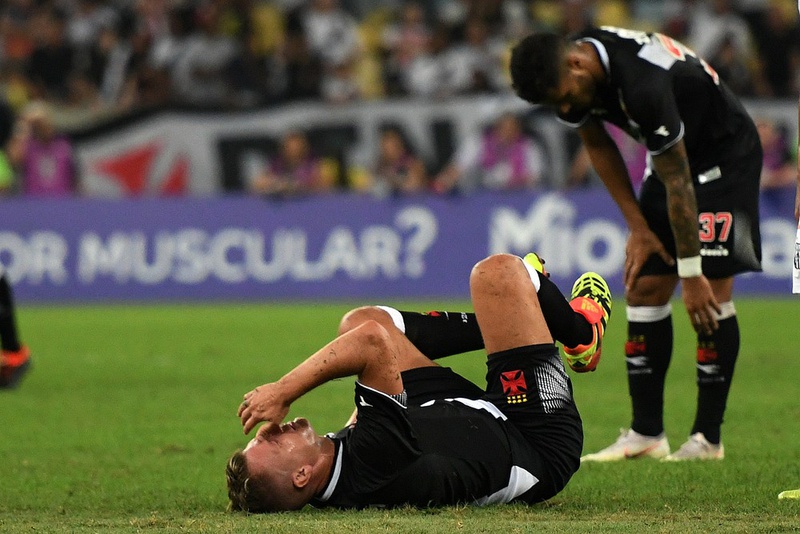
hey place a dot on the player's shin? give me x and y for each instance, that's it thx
(438, 334)
(716, 359)
(648, 352)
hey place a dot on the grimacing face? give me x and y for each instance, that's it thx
(282, 448)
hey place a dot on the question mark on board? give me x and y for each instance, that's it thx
(426, 229)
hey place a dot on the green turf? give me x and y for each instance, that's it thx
(128, 416)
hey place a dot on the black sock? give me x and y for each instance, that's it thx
(716, 358)
(647, 355)
(8, 327)
(439, 333)
(567, 326)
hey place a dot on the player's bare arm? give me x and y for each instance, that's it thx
(610, 166)
(365, 351)
(672, 166)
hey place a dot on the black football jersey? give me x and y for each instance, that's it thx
(659, 91)
(443, 452)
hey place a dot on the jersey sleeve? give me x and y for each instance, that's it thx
(383, 441)
(655, 111)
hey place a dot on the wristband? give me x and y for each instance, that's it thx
(690, 267)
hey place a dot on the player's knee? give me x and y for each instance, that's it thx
(651, 291)
(494, 270)
(359, 316)
(374, 338)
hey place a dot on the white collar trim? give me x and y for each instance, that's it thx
(337, 470)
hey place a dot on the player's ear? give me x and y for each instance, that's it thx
(302, 476)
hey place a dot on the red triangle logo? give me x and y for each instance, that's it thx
(175, 182)
(131, 169)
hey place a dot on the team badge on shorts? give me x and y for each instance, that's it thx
(514, 387)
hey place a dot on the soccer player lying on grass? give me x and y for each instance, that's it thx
(426, 436)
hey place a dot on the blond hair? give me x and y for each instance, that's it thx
(242, 489)
(258, 495)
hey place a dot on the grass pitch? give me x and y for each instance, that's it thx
(128, 416)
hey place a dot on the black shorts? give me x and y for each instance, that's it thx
(530, 386)
(425, 384)
(728, 224)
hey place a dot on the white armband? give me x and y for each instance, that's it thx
(690, 267)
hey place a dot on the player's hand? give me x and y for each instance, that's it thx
(264, 403)
(701, 304)
(641, 245)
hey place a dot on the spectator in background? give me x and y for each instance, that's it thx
(456, 14)
(339, 85)
(110, 63)
(200, 74)
(43, 157)
(16, 41)
(332, 32)
(397, 170)
(732, 67)
(713, 22)
(51, 64)
(167, 47)
(295, 170)
(403, 42)
(429, 73)
(779, 46)
(778, 174)
(152, 18)
(476, 64)
(502, 158)
(576, 15)
(296, 72)
(86, 22)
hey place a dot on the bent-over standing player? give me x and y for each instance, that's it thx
(424, 435)
(698, 203)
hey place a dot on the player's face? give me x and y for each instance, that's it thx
(574, 93)
(282, 447)
(576, 90)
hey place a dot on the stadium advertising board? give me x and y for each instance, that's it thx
(337, 246)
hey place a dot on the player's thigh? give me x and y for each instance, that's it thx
(506, 304)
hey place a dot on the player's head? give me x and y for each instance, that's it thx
(546, 69)
(536, 66)
(276, 471)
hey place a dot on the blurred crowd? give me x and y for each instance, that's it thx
(93, 57)
(120, 54)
